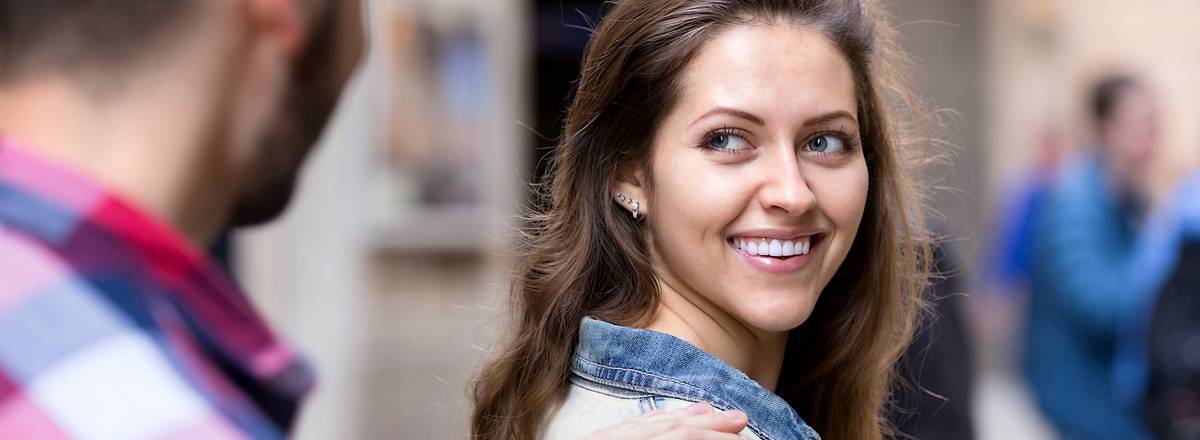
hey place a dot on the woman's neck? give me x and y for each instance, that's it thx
(689, 316)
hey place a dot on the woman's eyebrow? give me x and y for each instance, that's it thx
(829, 117)
(741, 114)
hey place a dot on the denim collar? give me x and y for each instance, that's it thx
(661, 364)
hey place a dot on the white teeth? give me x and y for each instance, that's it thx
(774, 247)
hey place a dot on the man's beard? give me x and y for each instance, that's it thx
(272, 179)
(310, 99)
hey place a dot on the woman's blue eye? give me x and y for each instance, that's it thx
(727, 142)
(827, 144)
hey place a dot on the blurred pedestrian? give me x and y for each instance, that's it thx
(1083, 245)
(1007, 267)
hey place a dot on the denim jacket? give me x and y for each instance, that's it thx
(619, 373)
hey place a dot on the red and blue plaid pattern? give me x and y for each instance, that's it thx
(113, 326)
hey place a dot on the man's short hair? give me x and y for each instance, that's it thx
(1106, 96)
(70, 35)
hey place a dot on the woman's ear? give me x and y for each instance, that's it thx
(631, 189)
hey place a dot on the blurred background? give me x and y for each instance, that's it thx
(390, 269)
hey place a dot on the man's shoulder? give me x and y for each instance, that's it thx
(76, 364)
(122, 385)
(45, 297)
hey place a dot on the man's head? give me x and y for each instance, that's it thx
(257, 78)
(1125, 116)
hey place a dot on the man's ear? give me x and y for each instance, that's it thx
(630, 186)
(281, 20)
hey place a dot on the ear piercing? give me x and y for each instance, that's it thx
(633, 204)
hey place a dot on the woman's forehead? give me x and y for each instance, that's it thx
(780, 72)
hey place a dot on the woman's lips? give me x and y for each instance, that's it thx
(776, 256)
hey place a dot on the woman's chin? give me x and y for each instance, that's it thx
(777, 320)
(774, 313)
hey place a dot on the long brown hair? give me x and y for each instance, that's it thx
(584, 256)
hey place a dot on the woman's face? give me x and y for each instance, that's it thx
(758, 181)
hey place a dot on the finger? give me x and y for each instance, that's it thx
(696, 434)
(723, 422)
(692, 419)
(727, 422)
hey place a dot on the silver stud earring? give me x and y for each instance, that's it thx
(633, 204)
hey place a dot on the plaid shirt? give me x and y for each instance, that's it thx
(113, 326)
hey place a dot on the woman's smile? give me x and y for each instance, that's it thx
(776, 252)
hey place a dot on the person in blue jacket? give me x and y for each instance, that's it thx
(1084, 244)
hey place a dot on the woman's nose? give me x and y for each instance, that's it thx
(786, 188)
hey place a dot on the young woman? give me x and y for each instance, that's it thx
(731, 218)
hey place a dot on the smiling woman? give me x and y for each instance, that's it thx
(730, 218)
